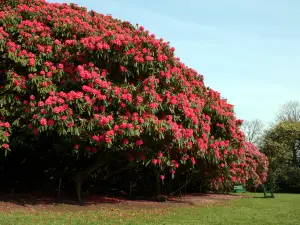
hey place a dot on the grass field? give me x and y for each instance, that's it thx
(283, 210)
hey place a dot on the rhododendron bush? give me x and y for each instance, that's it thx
(104, 87)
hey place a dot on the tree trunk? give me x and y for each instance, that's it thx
(78, 184)
(183, 186)
(83, 175)
(59, 187)
(157, 186)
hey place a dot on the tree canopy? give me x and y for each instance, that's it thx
(281, 146)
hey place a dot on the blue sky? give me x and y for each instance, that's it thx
(247, 50)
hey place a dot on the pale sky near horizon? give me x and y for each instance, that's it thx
(249, 51)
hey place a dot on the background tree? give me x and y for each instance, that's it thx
(253, 131)
(281, 146)
(290, 111)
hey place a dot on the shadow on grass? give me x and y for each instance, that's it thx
(67, 203)
(25, 200)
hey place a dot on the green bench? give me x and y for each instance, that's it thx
(239, 189)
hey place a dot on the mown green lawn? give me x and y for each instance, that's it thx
(283, 210)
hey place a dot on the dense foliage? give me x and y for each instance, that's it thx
(107, 97)
(282, 146)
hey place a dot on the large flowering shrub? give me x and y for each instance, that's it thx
(107, 86)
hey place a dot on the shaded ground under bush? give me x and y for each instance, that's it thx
(29, 203)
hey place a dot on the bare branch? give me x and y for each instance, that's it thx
(289, 112)
(253, 130)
